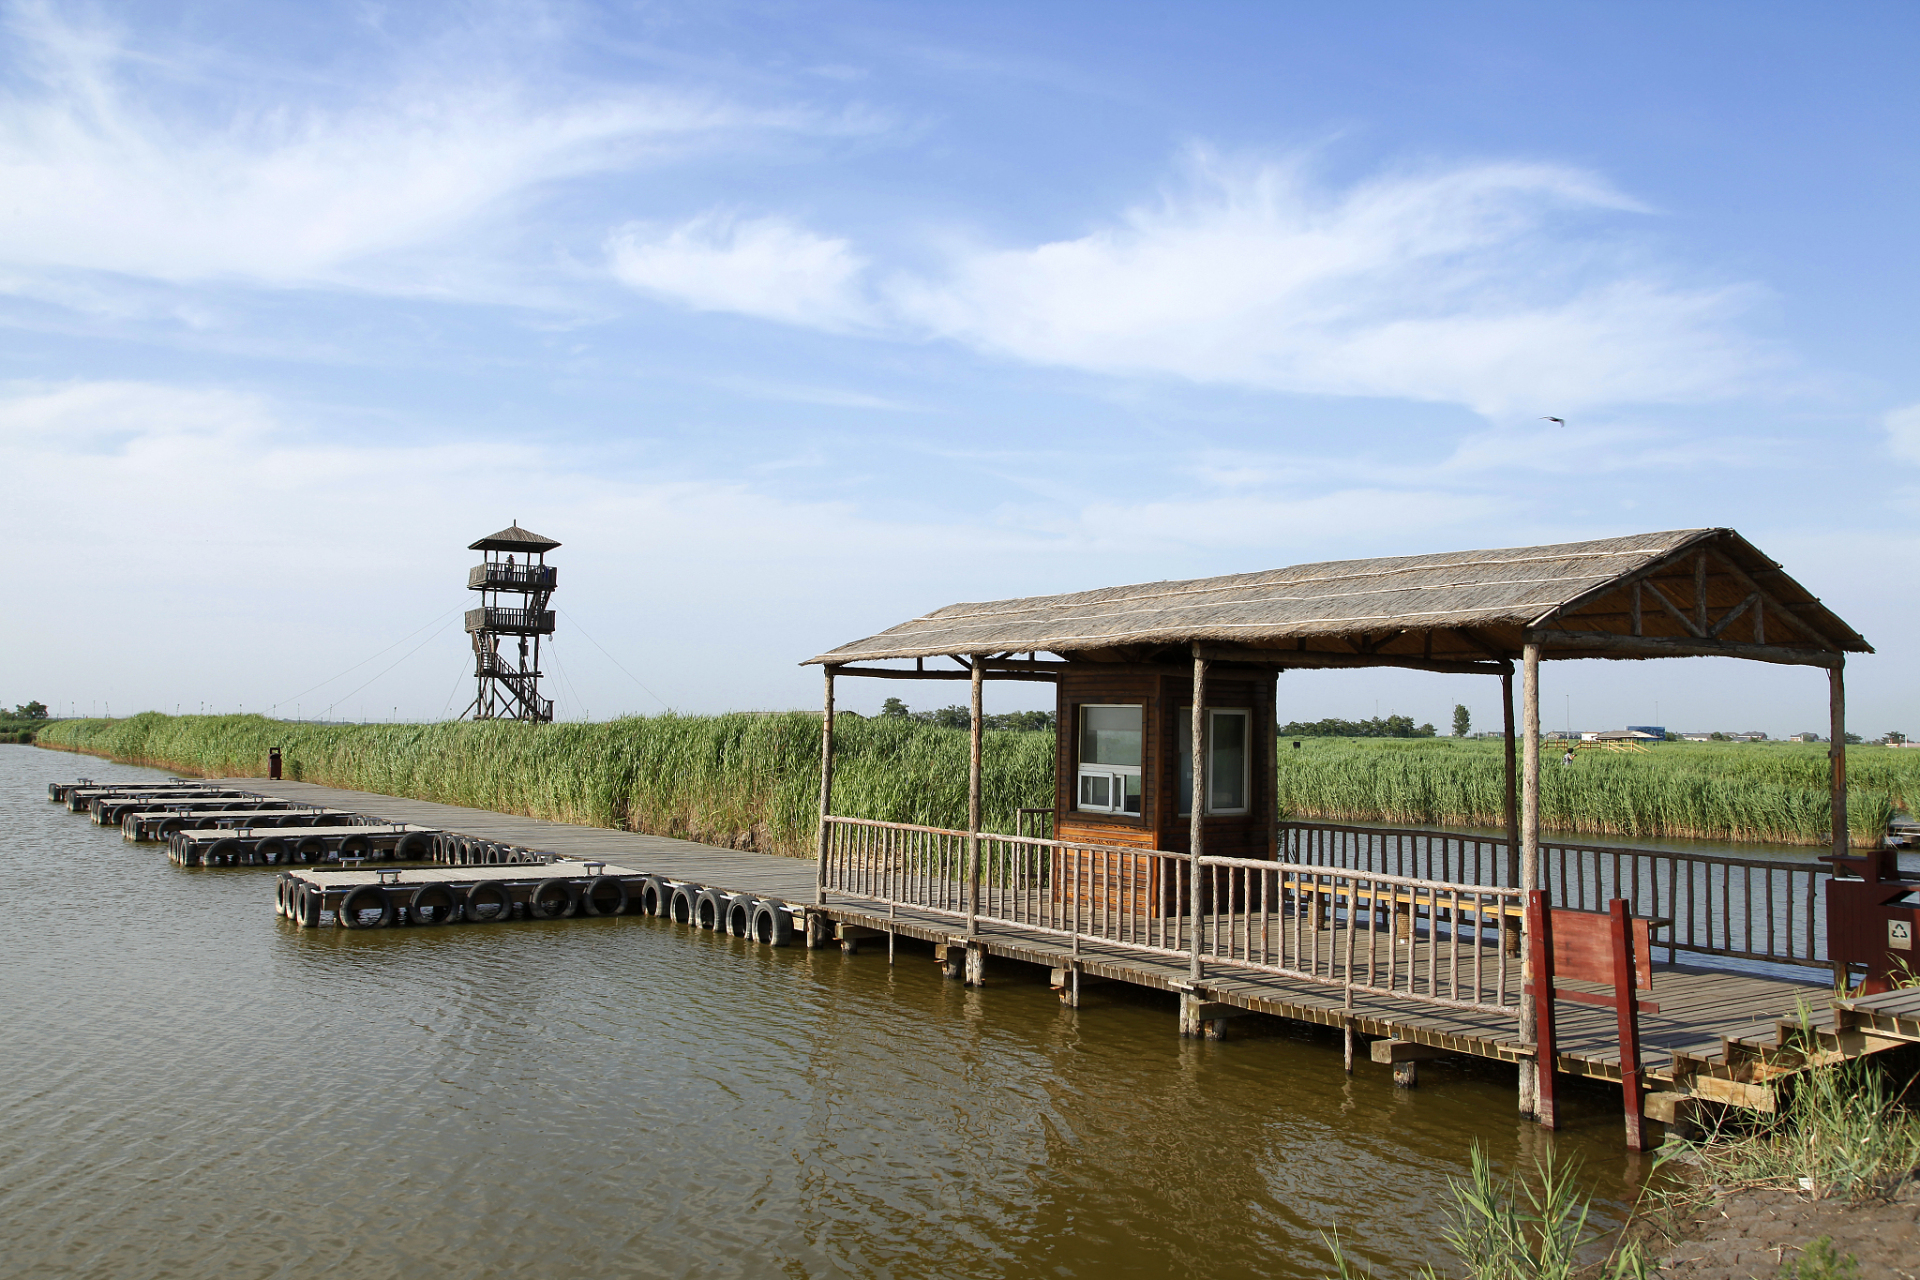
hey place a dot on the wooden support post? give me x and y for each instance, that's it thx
(1536, 1084)
(1540, 962)
(1510, 928)
(1197, 800)
(973, 813)
(1837, 753)
(826, 789)
(951, 956)
(1626, 1000)
(976, 965)
(819, 930)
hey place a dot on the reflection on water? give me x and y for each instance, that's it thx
(194, 1088)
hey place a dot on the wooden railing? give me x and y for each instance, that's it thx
(1359, 930)
(1758, 909)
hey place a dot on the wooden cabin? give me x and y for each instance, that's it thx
(1123, 772)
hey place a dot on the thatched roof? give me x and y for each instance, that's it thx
(1698, 591)
(513, 538)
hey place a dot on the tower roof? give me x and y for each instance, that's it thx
(513, 538)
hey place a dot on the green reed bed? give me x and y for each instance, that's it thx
(1773, 793)
(753, 780)
(749, 781)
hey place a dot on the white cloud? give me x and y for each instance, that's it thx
(101, 171)
(766, 267)
(1480, 285)
(1903, 432)
(1456, 286)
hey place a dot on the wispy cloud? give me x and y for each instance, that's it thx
(1501, 287)
(766, 267)
(108, 170)
(1903, 432)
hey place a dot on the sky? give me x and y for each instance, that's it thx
(793, 321)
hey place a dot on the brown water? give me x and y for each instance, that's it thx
(190, 1087)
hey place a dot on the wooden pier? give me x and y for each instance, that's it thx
(1719, 1036)
(1714, 1036)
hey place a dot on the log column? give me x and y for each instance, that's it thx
(1837, 752)
(1197, 802)
(826, 788)
(973, 806)
(1529, 871)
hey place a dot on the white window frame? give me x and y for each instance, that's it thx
(1183, 740)
(1116, 775)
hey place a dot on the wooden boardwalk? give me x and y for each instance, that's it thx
(1713, 1025)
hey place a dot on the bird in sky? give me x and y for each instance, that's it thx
(1561, 421)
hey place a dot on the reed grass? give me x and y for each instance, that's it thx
(1771, 793)
(743, 781)
(752, 781)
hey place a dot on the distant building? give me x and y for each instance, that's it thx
(1658, 732)
(1805, 737)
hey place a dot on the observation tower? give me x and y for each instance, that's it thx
(514, 581)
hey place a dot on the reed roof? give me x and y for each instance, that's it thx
(513, 538)
(1645, 595)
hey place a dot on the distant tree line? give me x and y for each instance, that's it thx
(29, 711)
(1378, 727)
(958, 717)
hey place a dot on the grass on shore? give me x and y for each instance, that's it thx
(1773, 793)
(752, 781)
(745, 781)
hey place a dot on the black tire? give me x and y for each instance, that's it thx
(433, 904)
(167, 827)
(310, 849)
(710, 910)
(591, 895)
(681, 903)
(360, 898)
(222, 853)
(280, 888)
(772, 922)
(273, 849)
(656, 896)
(302, 907)
(541, 904)
(739, 917)
(355, 847)
(484, 894)
(206, 824)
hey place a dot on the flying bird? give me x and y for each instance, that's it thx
(1561, 421)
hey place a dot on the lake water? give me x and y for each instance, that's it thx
(191, 1087)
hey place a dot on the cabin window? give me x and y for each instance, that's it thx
(1110, 759)
(1228, 739)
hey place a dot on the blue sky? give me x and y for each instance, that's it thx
(795, 320)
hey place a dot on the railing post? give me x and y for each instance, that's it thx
(973, 804)
(826, 788)
(1530, 1078)
(1198, 804)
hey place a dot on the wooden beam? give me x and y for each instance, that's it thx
(1297, 658)
(1532, 1078)
(1700, 594)
(1474, 640)
(890, 673)
(1779, 607)
(1681, 647)
(1752, 599)
(1637, 629)
(1673, 608)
